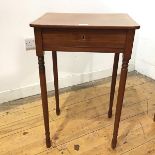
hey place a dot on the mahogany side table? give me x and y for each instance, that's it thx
(78, 32)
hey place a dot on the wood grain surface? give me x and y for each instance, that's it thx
(83, 127)
(85, 20)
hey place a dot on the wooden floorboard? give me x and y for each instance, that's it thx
(83, 127)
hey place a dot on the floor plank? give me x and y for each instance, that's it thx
(83, 127)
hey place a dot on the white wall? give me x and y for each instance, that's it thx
(145, 55)
(18, 67)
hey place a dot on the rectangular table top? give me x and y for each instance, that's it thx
(85, 20)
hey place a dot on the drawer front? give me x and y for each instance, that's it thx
(65, 39)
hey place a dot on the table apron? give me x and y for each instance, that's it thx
(84, 40)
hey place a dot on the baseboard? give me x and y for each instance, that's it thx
(145, 68)
(67, 81)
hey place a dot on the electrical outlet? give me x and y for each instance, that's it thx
(30, 44)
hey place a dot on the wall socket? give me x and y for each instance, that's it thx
(30, 44)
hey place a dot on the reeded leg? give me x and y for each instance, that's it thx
(55, 73)
(120, 97)
(44, 98)
(113, 83)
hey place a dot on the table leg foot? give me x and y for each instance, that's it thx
(109, 113)
(48, 143)
(58, 112)
(113, 143)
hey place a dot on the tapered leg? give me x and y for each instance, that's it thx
(55, 73)
(113, 83)
(120, 100)
(44, 98)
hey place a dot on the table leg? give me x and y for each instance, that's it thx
(44, 98)
(120, 97)
(113, 83)
(55, 73)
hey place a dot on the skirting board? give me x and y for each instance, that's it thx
(69, 80)
(145, 68)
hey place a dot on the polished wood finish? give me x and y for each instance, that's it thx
(121, 90)
(55, 73)
(85, 20)
(42, 74)
(44, 98)
(120, 97)
(113, 83)
(38, 42)
(69, 40)
(105, 33)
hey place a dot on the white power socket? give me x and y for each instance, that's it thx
(30, 44)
